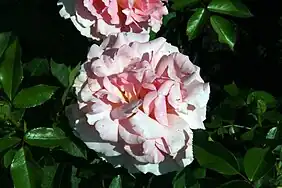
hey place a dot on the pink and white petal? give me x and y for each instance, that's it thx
(128, 135)
(148, 104)
(160, 110)
(108, 129)
(94, 51)
(146, 127)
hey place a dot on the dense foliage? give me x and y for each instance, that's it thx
(237, 45)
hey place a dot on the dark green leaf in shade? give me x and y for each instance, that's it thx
(257, 162)
(49, 172)
(231, 89)
(196, 23)
(181, 4)
(45, 137)
(230, 7)
(25, 171)
(168, 17)
(8, 157)
(249, 135)
(8, 142)
(214, 156)
(153, 35)
(184, 178)
(72, 77)
(74, 149)
(37, 67)
(224, 29)
(116, 182)
(262, 95)
(5, 110)
(17, 114)
(4, 41)
(33, 96)
(199, 173)
(236, 184)
(74, 179)
(273, 116)
(11, 71)
(61, 72)
(260, 107)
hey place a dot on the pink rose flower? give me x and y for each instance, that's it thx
(99, 18)
(138, 103)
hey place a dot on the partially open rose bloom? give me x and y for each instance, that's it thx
(137, 103)
(99, 18)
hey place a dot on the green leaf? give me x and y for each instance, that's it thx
(262, 95)
(72, 77)
(196, 23)
(184, 178)
(11, 71)
(257, 163)
(272, 133)
(168, 17)
(8, 157)
(224, 29)
(236, 184)
(33, 96)
(45, 137)
(181, 4)
(73, 149)
(260, 107)
(37, 67)
(249, 135)
(231, 89)
(230, 7)
(5, 110)
(61, 72)
(25, 172)
(74, 179)
(18, 114)
(8, 142)
(199, 173)
(273, 116)
(4, 41)
(49, 175)
(214, 156)
(116, 182)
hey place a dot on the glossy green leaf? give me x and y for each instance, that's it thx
(11, 71)
(5, 110)
(216, 157)
(230, 7)
(33, 96)
(231, 89)
(4, 41)
(116, 182)
(181, 4)
(262, 95)
(49, 175)
(61, 72)
(45, 137)
(224, 29)
(25, 172)
(196, 23)
(8, 157)
(236, 184)
(257, 163)
(7, 142)
(37, 67)
(73, 149)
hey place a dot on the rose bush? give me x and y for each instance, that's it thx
(99, 18)
(137, 103)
